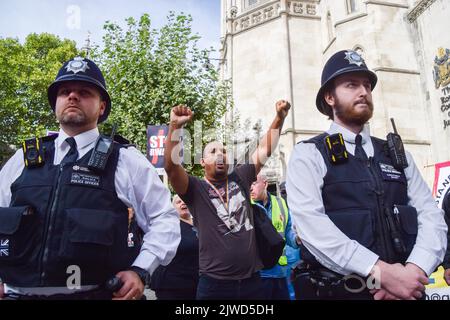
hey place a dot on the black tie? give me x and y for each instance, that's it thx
(359, 151)
(72, 155)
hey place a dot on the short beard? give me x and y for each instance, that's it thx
(349, 116)
(73, 120)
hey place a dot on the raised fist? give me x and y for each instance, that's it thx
(282, 108)
(180, 115)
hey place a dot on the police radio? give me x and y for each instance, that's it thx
(393, 222)
(396, 150)
(336, 148)
(33, 153)
(113, 284)
(101, 152)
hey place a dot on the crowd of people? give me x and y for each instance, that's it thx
(84, 216)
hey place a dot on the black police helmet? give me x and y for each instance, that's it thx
(341, 62)
(80, 69)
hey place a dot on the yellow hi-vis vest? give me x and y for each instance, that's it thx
(279, 221)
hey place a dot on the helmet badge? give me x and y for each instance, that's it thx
(76, 65)
(354, 58)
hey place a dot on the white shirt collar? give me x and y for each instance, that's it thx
(348, 135)
(83, 139)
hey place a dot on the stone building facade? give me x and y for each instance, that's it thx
(276, 49)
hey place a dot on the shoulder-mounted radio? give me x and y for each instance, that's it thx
(396, 149)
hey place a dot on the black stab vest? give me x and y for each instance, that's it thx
(77, 220)
(357, 193)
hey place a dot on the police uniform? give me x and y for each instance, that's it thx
(446, 208)
(62, 214)
(341, 209)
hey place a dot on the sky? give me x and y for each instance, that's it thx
(73, 19)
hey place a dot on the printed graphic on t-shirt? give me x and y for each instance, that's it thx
(237, 216)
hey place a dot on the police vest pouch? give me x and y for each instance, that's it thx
(270, 244)
(356, 224)
(406, 218)
(17, 233)
(87, 238)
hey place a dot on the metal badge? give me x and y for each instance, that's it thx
(84, 169)
(77, 65)
(130, 240)
(354, 58)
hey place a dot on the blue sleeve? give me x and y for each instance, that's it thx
(290, 233)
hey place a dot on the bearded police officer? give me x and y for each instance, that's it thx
(366, 218)
(78, 209)
(446, 263)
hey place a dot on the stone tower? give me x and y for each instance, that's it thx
(276, 49)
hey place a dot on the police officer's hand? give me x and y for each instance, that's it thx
(282, 108)
(447, 276)
(180, 115)
(382, 294)
(419, 276)
(404, 282)
(132, 288)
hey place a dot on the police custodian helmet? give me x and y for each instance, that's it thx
(341, 62)
(80, 69)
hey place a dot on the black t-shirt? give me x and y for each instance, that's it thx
(182, 271)
(227, 237)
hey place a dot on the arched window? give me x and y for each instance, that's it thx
(352, 6)
(250, 4)
(329, 27)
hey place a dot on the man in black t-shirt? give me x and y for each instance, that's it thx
(228, 259)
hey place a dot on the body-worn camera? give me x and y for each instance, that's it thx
(336, 148)
(33, 153)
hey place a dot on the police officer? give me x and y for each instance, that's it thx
(66, 224)
(446, 263)
(370, 228)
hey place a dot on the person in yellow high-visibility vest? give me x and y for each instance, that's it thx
(275, 279)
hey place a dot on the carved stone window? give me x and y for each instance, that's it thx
(329, 27)
(352, 6)
(249, 4)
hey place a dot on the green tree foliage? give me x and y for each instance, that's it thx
(26, 70)
(148, 71)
